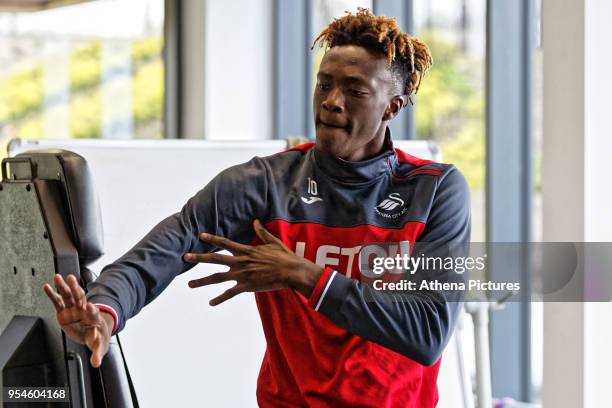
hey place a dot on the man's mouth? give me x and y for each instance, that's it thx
(332, 125)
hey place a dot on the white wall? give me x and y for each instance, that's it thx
(576, 196)
(227, 69)
(239, 69)
(598, 191)
(598, 127)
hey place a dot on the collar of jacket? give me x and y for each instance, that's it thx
(358, 172)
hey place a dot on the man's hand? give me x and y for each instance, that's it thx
(81, 321)
(259, 268)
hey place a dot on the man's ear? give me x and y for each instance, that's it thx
(395, 106)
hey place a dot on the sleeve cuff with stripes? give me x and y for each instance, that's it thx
(108, 305)
(320, 287)
(330, 292)
(112, 312)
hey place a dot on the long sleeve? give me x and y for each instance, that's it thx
(226, 207)
(416, 324)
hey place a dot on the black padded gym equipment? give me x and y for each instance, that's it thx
(50, 223)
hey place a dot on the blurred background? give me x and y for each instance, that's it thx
(96, 70)
(244, 70)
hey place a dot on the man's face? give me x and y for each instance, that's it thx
(353, 100)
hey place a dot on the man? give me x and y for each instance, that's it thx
(295, 224)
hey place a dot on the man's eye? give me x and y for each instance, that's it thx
(323, 86)
(357, 92)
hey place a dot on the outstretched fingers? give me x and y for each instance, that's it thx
(80, 319)
(228, 294)
(57, 300)
(242, 266)
(78, 294)
(64, 290)
(265, 235)
(94, 338)
(225, 243)
(213, 279)
(213, 258)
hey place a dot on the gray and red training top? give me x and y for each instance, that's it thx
(348, 344)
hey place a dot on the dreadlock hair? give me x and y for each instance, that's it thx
(409, 59)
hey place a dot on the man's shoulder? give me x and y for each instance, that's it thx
(286, 161)
(412, 166)
(265, 166)
(288, 157)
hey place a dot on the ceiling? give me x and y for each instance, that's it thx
(34, 5)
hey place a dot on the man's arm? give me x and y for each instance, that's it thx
(416, 324)
(225, 206)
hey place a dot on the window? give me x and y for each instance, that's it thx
(91, 70)
(324, 12)
(450, 106)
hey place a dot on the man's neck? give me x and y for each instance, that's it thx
(374, 148)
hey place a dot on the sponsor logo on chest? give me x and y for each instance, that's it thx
(349, 260)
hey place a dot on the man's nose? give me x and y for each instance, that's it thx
(334, 102)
